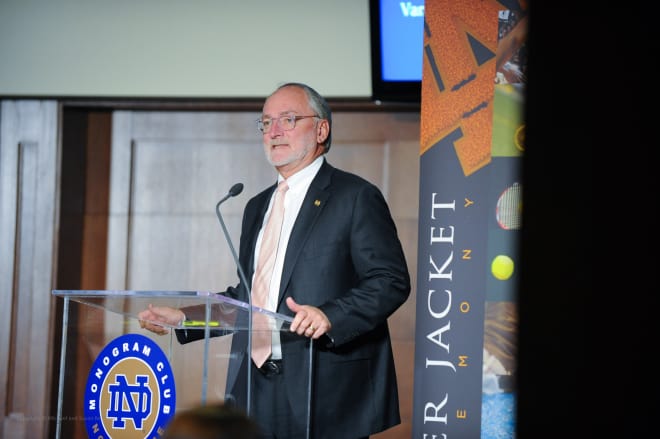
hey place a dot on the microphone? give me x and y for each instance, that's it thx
(233, 191)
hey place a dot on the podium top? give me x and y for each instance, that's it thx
(213, 310)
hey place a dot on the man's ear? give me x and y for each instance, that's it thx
(322, 131)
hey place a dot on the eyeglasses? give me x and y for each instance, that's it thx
(287, 122)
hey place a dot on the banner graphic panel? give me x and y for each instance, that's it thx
(471, 145)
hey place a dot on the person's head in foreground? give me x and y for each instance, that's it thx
(213, 421)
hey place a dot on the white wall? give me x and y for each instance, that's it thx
(182, 48)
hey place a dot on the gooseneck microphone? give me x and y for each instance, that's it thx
(233, 191)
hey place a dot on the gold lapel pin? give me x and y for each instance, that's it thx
(317, 203)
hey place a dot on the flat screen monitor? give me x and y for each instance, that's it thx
(397, 39)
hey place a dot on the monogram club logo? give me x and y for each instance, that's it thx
(130, 390)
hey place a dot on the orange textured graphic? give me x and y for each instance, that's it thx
(457, 91)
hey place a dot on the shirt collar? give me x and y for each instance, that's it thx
(303, 178)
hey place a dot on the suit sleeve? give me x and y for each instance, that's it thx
(380, 279)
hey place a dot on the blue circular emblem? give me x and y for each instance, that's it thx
(130, 390)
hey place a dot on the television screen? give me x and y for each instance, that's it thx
(397, 40)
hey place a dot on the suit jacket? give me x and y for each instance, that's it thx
(344, 256)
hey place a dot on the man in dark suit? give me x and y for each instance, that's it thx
(340, 272)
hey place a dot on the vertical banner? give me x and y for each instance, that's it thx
(472, 141)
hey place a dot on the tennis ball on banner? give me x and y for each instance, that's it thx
(502, 267)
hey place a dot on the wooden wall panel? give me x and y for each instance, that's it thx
(28, 193)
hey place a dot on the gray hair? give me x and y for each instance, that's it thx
(318, 104)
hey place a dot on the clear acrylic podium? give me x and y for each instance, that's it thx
(207, 354)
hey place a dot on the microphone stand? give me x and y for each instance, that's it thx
(235, 190)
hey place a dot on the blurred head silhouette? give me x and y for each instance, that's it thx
(214, 421)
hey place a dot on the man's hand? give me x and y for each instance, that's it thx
(309, 320)
(167, 315)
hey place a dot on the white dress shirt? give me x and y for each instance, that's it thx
(298, 185)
